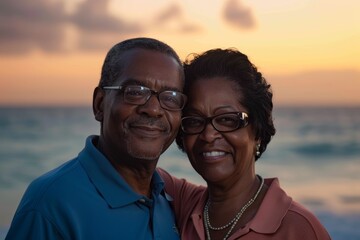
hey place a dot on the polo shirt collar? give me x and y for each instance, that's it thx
(108, 182)
(267, 219)
(273, 209)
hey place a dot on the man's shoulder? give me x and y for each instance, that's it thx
(53, 184)
(63, 171)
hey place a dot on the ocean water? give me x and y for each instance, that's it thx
(315, 154)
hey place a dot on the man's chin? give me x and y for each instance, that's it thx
(147, 148)
(146, 152)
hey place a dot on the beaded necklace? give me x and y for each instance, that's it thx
(234, 221)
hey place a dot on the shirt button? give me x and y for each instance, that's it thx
(142, 200)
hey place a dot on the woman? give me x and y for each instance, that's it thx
(226, 127)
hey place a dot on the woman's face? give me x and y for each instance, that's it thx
(219, 157)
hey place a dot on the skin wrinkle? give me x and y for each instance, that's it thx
(134, 136)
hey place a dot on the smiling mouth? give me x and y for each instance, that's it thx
(147, 131)
(214, 154)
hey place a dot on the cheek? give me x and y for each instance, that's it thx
(174, 120)
(189, 147)
(244, 146)
(189, 143)
(118, 114)
(112, 108)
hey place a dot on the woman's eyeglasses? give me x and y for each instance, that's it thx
(226, 122)
(139, 95)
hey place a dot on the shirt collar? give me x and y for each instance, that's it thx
(272, 210)
(267, 219)
(110, 184)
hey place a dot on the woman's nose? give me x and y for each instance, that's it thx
(210, 133)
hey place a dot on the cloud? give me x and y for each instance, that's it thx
(238, 15)
(97, 28)
(31, 24)
(41, 24)
(171, 12)
(172, 17)
(93, 16)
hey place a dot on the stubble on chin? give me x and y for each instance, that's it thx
(138, 149)
(143, 154)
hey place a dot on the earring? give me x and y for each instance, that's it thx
(257, 153)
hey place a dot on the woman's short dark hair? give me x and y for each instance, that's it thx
(113, 65)
(255, 93)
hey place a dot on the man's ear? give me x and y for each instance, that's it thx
(98, 104)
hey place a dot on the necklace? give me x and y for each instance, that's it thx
(234, 221)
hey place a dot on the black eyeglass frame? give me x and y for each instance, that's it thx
(241, 116)
(152, 92)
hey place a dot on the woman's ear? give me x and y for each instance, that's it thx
(98, 103)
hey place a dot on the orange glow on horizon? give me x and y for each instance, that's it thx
(286, 41)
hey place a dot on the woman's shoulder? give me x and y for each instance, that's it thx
(290, 217)
(301, 214)
(300, 217)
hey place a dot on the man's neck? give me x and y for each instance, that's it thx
(139, 179)
(135, 171)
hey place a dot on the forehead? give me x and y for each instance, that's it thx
(214, 95)
(152, 69)
(215, 86)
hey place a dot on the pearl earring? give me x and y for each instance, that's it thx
(257, 153)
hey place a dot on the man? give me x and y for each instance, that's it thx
(112, 190)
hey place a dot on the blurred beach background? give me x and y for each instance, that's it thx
(315, 154)
(51, 52)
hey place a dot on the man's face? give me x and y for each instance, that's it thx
(140, 131)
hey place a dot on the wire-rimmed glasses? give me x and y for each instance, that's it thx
(139, 95)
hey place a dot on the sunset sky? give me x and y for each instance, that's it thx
(51, 51)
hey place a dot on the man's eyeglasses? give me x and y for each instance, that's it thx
(139, 95)
(226, 122)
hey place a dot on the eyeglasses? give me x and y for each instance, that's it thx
(226, 122)
(139, 95)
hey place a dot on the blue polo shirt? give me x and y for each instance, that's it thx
(86, 198)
